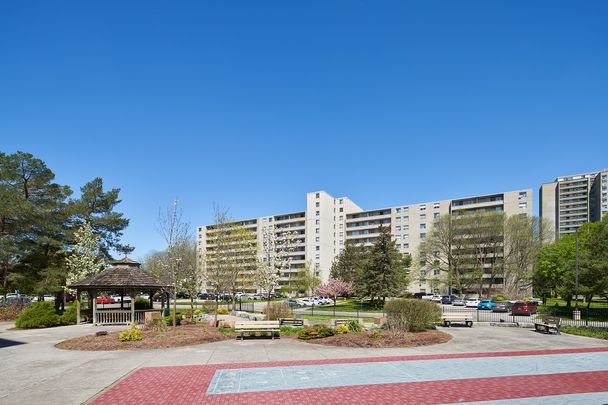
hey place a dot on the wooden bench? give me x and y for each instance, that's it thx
(291, 322)
(448, 319)
(338, 322)
(547, 323)
(257, 326)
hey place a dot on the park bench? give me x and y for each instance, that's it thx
(257, 326)
(291, 322)
(338, 322)
(448, 319)
(547, 323)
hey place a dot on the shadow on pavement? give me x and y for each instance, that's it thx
(8, 343)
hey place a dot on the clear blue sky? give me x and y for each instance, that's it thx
(251, 104)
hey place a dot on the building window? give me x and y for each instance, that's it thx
(317, 239)
(398, 219)
(406, 236)
(423, 216)
(317, 248)
(341, 226)
(317, 195)
(398, 237)
(398, 228)
(341, 201)
(317, 204)
(317, 256)
(406, 245)
(398, 210)
(406, 227)
(317, 230)
(406, 218)
(436, 272)
(341, 218)
(422, 235)
(436, 215)
(317, 213)
(341, 209)
(436, 206)
(398, 245)
(523, 194)
(341, 234)
(422, 207)
(523, 205)
(422, 226)
(317, 222)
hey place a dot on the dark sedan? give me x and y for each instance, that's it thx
(502, 306)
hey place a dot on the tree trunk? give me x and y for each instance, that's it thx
(174, 305)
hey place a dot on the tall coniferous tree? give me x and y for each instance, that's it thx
(384, 273)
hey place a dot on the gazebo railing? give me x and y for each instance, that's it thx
(118, 317)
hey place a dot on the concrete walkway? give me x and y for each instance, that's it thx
(34, 371)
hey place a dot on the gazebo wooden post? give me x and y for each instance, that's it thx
(151, 300)
(133, 306)
(77, 306)
(94, 298)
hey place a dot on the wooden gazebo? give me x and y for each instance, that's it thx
(124, 277)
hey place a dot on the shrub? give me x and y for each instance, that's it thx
(354, 326)
(130, 335)
(9, 312)
(276, 310)
(222, 311)
(375, 334)
(500, 298)
(142, 303)
(69, 316)
(410, 315)
(341, 329)
(39, 315)
(315, 332)
(208, 307)
(169, 319)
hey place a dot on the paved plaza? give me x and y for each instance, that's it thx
(482, 363)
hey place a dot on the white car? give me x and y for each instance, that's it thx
(426, 297)
(436, 298)
(471, 303)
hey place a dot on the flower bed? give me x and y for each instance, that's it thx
(384, 338)
(151, 339)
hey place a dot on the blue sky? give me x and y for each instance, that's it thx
(252, 104)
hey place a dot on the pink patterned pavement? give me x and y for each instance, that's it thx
(189, 384)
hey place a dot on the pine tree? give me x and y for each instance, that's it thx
(384, 273)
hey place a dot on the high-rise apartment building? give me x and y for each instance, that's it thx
(328, 223)
(570, 201)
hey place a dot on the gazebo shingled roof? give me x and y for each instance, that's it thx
(125, 273)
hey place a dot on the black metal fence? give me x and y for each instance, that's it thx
(592, 317)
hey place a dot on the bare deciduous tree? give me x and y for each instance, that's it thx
(175, 232)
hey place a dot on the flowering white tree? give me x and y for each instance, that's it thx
(277, 246)
(334, 288)
(85, 259)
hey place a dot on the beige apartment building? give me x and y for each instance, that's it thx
(328, 223)
(570, 201)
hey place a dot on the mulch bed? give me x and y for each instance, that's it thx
(152, 339)
(385, 339)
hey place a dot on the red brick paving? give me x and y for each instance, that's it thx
(188, 385)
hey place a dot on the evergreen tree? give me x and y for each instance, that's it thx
(348, 264)
(97, 207)
(384, 273)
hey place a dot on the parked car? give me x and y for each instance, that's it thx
(485, 304)
(436, 298)
(427, 297)
(523, 308)
(105, 300)
(446, 300)
(471, 303)
(293, 303)
(458, 302)
(502, 306)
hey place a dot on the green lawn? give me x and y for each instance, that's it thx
(350, 305)
(551, 302)
(589, 332)
(330, 317)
